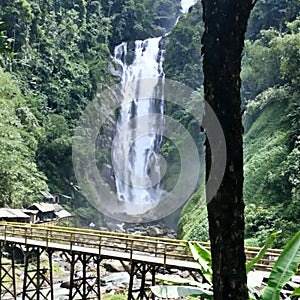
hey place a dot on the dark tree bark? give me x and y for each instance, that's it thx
(223, 42)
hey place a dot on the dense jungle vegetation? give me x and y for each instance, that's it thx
(271, 97)
(55, 57)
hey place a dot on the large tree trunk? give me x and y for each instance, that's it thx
(223, 42)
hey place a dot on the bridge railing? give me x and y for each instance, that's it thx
(121, 242)
(73, 237)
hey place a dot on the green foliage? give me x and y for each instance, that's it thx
(20, 179)
(4, 42)
(183, 64)
(60, 61)
(185, 115)
(203, 257)
(183, 61)
(113, 297)
(173, 291)
(135, 19)
(271, 14)
(193, 224)
(271, 60)
(262, 251)
(265, 149)
(285, 267)
(296, 292)
(271, 160)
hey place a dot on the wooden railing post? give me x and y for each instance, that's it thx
(72, 240)
(131, 251)
(165, 255)
(5, 232)
(100, 245)
(47, 238)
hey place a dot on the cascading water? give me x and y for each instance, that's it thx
(186, 4)
(136, 158)
(139, 164)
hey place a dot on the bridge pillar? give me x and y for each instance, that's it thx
(7, 274)
(140, 270)
(38, 282)
(85, 284)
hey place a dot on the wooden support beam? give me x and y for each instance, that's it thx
(7, 274)
(140, 270)
(87, 286)
(38, 282)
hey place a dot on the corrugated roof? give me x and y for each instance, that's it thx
(47, 195)
(57, 207)
(43, 207)
(63, 214)
(19, 213)
(5, 213)
(31, 211)
(10, 213)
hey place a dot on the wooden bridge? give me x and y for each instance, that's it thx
(146, 255)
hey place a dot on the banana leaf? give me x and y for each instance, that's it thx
(296, 292)
(262, 252)
(203, 257)
(181, 281)
(173, 291)
(284, 268)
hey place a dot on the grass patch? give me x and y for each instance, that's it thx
(113, 297)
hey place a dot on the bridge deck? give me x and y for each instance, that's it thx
(108, 254)
(159, 251)
(83, 246)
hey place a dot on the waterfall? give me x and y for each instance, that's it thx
(186, 4)
(135, 156)
(136, 160)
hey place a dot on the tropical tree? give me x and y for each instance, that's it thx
(223, 42)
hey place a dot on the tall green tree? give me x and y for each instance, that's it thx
(223, 42)
(20, 179)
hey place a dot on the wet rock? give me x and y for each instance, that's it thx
(156, 231)
(184, 274)
(107, 173)
(18, 272)
(115, 266)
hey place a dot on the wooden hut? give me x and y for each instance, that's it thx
(14, 215)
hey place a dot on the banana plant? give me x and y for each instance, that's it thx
(194, 288)
(284, 268)
(262, 252)
(296, 292)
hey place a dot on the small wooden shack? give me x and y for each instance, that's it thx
(13, 215)
(42, 212)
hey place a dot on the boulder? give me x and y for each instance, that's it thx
(115, 266)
